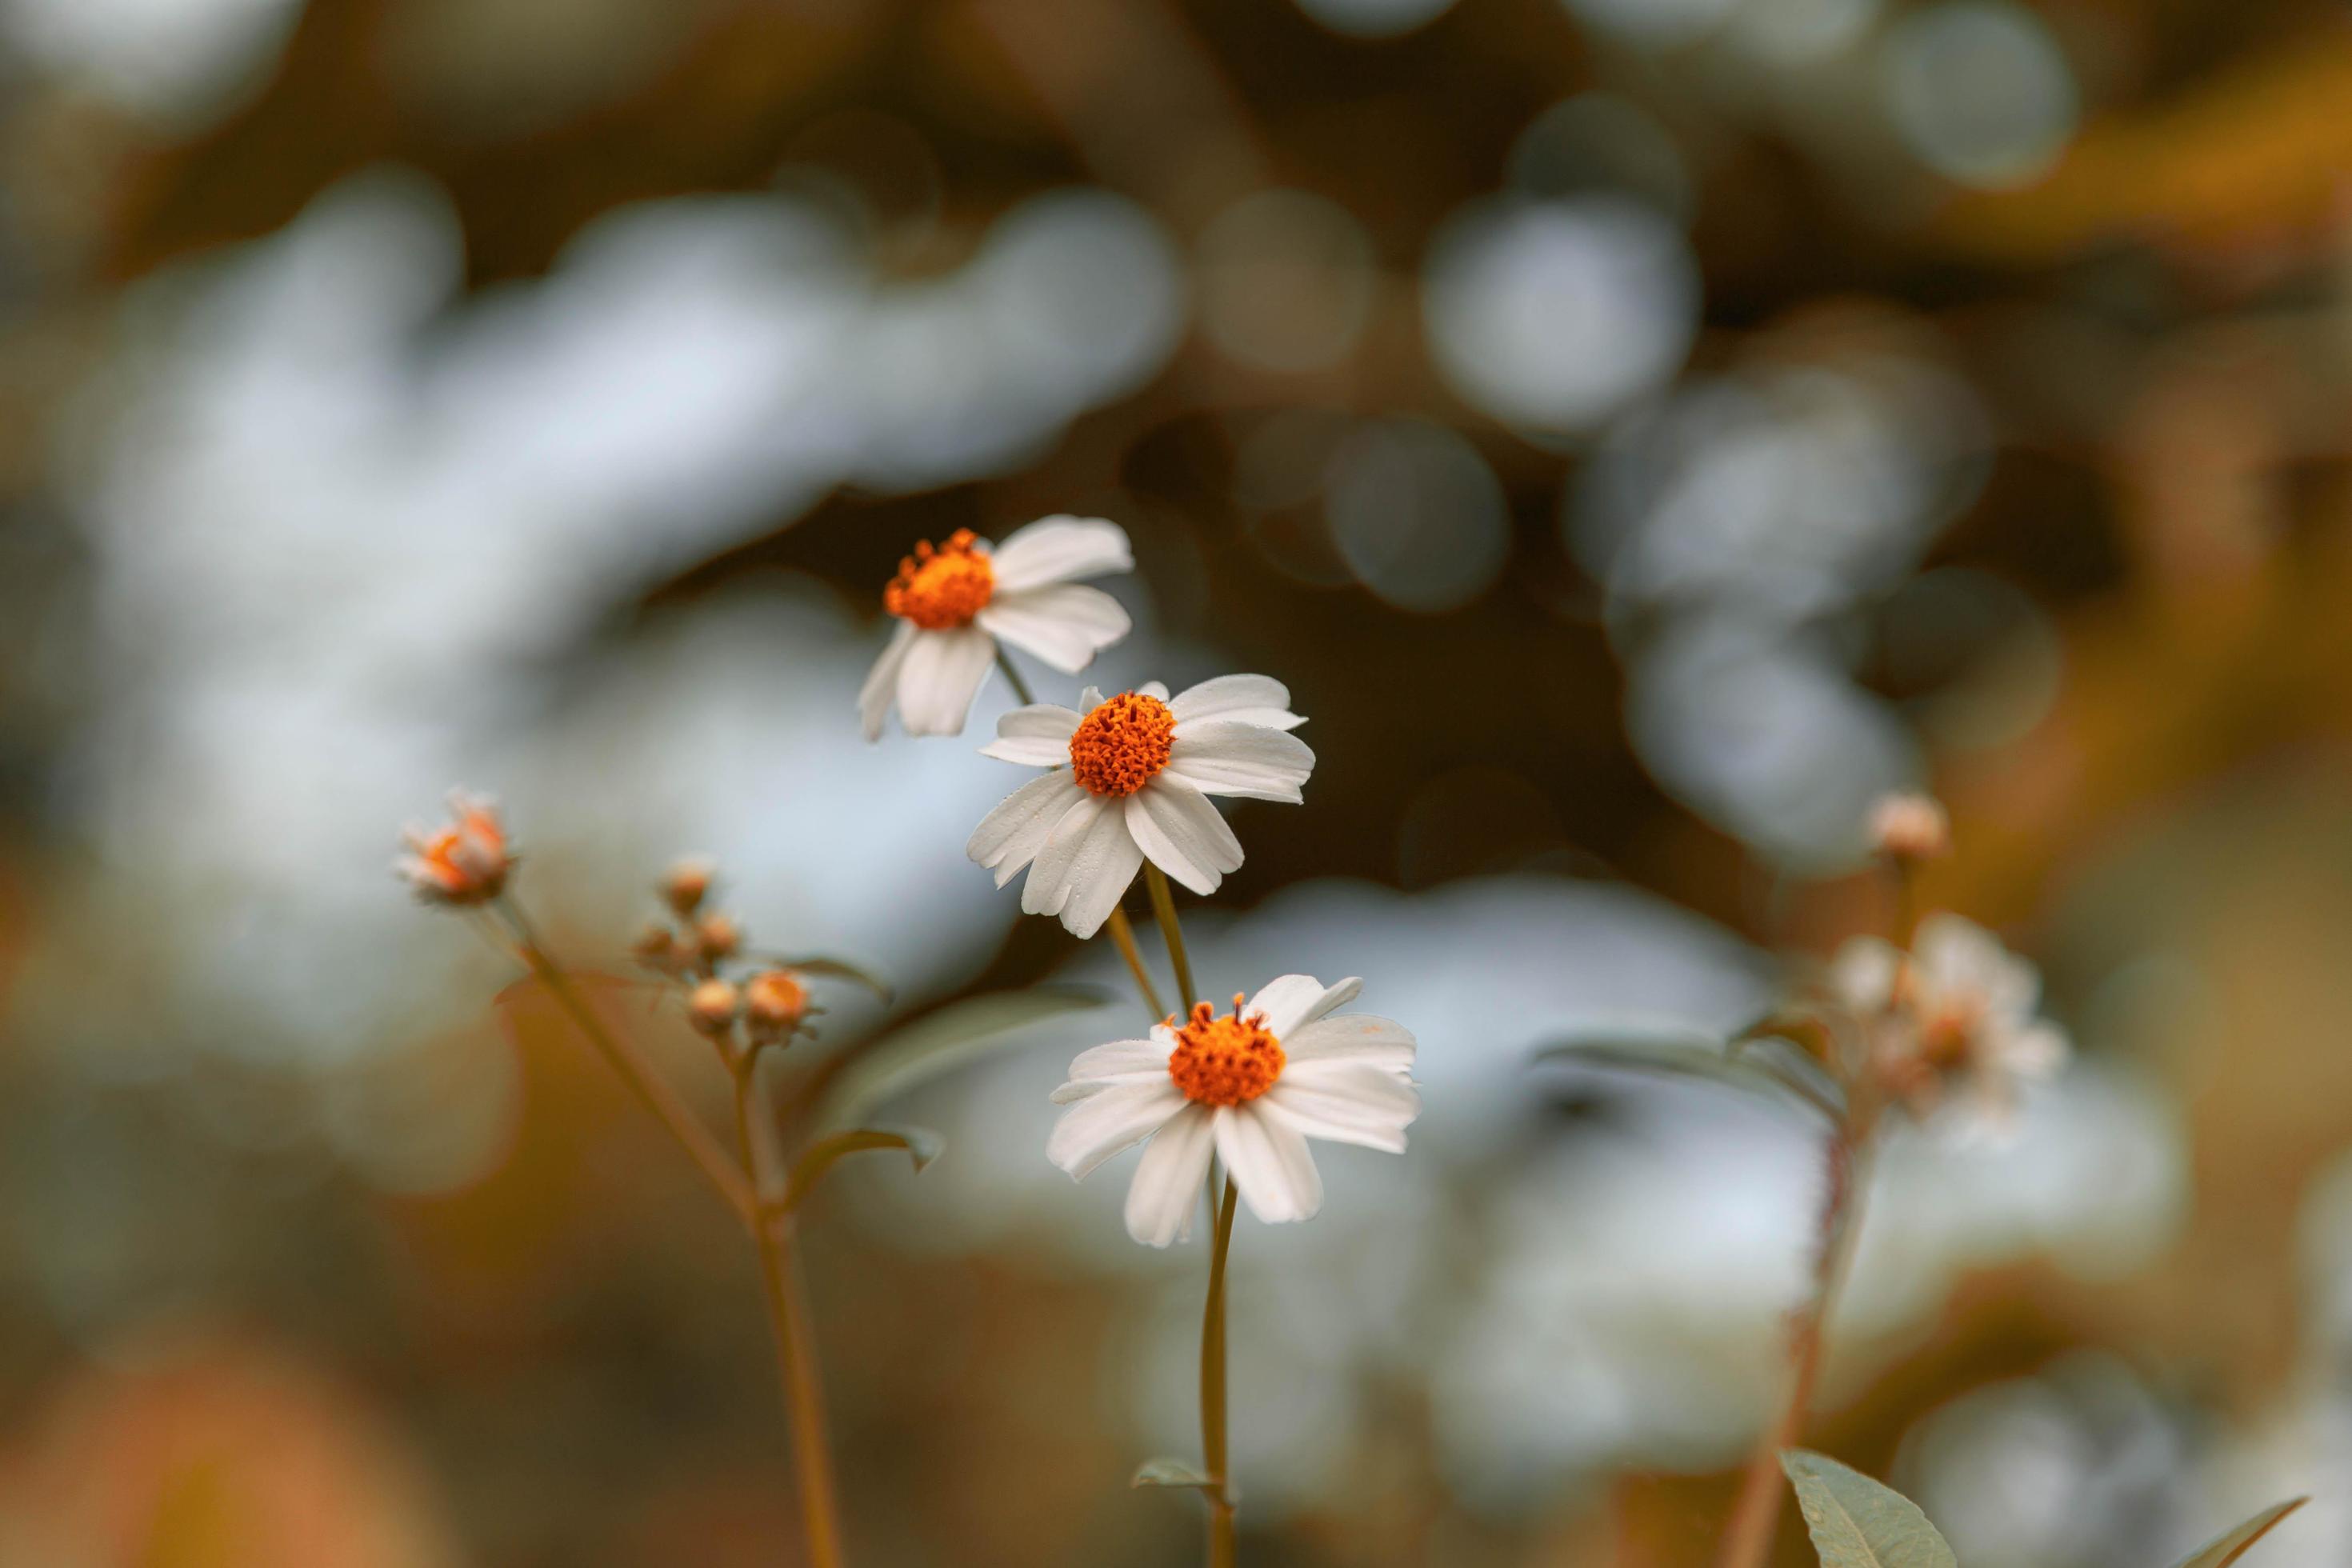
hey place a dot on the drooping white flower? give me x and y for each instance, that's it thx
(1958, 1006)
(956, 601)
(1132, 777)
(1252, 1087)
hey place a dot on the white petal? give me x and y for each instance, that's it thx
(1066, 624)
(1292, 1001)
(1090, 699)
(942, 676)
(1156, 690)
(1099, 1067)
(1086, 864)
(1249, 699)
(1060, 550)
(1168, 1182)
(1221, 756)
(875, 696)
(2038, 1050)
(1270, 1163)
(1094, 1129)
(1182, 834)
(1359, 1037)
(1037, 736)
(1010, 837)
(1862, 974)
(1347, 1103)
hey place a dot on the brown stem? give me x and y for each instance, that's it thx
(788, 1318)
(1219, 1493)
(652, 1089)
(1747, 1540)
(1123, 934)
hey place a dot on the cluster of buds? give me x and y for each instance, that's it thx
(694, 945)
(465, 862)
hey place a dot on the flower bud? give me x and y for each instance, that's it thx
(1909, 826)
(774, 1002)
(716, 937)
(686, 884)
(462, 863)
(712, 1007)
(657, 947)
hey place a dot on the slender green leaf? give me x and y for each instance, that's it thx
(1855, 1522)
(1681, 1053)
(821, 1156)
(2228, 1548)
(835, 969)
(1170, 1473)
(850, 1087)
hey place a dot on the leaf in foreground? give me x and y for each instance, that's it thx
(2228, 1548)
(940, 1041)
(921, 1142)
(1170, 1473)
(1855, 1522)
(1672, 1052)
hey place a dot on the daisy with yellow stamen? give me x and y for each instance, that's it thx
(955, 602)
(1251, 1086)
(1959, 1008)
(1130, 781)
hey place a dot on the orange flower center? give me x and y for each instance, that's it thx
(1224, 1061)
(1946, 1035)
(1121, 745)
(942, 588)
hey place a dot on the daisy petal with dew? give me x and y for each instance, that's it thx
(1131, 779)
(1252, 1087)
(956, 600)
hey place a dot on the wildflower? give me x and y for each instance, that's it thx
(774, 1002)
(1132, 777)
(1958, 1007)
(1253, 1086)
(712, 1006)
(657, 948)
(955, 602)
(1906, 825)
(462, 863)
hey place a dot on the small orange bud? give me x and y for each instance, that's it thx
(687, 885)
(657, 947)
(462, 863)
(712, 1007)
(774, 1002)
(1907, 825)
(717, 937)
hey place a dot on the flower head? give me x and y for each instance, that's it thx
(1957, 1008)
(463, 862)
(956, 601)
(1130, 781)
(1906, 825)
(1253, 1086)
(774, 1004)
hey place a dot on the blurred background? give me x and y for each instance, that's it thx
(1639, 431)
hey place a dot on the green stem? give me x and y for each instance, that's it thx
(1020, 687)
(1122, 933)
(788, 1319)
(652, 1089)
(1221, 1550)
(1164, 907)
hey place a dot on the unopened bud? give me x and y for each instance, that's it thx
(774, 1002)
(712, 1007)
(1907, 825)
(717, 937)
(657, 947)
(687, 885)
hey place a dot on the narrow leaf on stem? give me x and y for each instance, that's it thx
(1856, 1522)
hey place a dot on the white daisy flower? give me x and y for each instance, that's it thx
(1132, 779)
(1958, 1006)
(1252, 1087)
(956, 601)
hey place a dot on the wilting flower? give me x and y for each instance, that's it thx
(1132, 777)
(1909, 825)
(1958, 1007)
(955, 602)
(464, 861)
(1253, 1086)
